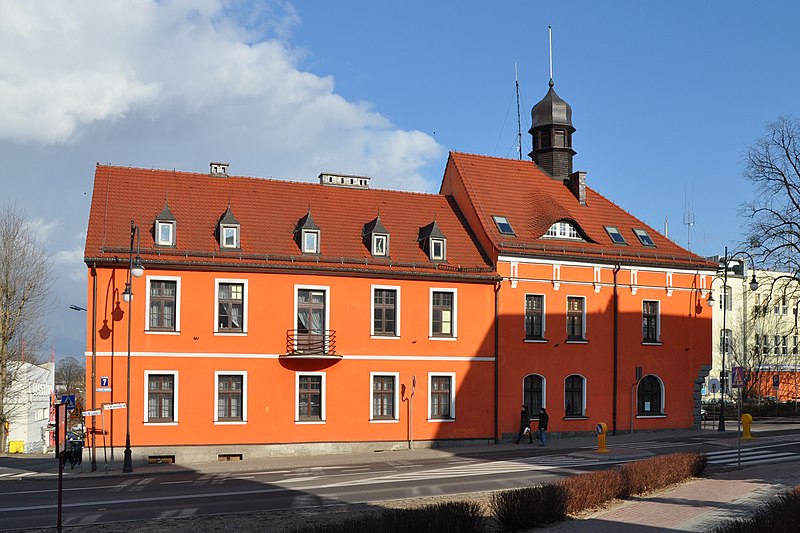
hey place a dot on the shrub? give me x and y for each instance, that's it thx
(781, 514)
(659, 472)
(450, 517)
(520, 509)
(590, 490)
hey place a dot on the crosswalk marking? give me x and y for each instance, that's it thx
(749, 456)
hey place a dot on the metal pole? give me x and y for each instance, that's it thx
(94, 365)
(127, 463)
(723, 373)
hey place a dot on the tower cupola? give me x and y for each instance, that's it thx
(551, 132)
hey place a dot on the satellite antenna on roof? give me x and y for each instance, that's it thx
(688, 219)
(519, 121)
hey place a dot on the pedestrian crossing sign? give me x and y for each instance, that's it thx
(738, 377)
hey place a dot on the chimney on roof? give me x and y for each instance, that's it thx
(343, 180)
(219, 170)
(577, 184)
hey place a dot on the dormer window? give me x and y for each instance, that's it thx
(616, 236)
(164, 230)
(307, 235)
(310, 241)
(644, 238)
(380, 244)
(437, 249)
(229, 231)
(376, 238)
(165, 233)
(433, 242)
(563, 230)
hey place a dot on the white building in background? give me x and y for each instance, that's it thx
(29, 401)
(760, 326)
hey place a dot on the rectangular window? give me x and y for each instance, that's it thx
(384, 311)
(765, 346)
(644, 238)
(162, 304)
(230, 307)
(784, 307)
(534, 316)
(650, 321)
(230, 236)
(312, 318)
(575, 318)
(726, 298)
(379, 244)
(794, 345)
(785, 345)
(165, 232)
(443, 313)
(758, 343)
(777, 344)
(384, 394)
(437, 249)
(310, 397)
(725, 336)
(503, 225)
(310, 242)
(441, 402)
(230, 397)
(616, 236)
(161, 398)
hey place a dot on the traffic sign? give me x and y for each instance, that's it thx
(109, 406)
(738, 377)
(92, 412)
(776, 381)
(713, 385)
(68, 399)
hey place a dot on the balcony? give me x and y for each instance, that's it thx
(304, 345)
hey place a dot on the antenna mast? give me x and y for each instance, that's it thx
(519, 121)
(688, 219)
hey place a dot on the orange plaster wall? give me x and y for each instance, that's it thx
(196, 352)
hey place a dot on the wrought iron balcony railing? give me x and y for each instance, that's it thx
(301, 343)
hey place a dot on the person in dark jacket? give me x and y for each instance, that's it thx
(524, 424)
(543, 420)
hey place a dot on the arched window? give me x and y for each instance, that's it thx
(574, 395)
(650, 396)
(533, 393)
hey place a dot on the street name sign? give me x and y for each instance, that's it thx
(110, 406)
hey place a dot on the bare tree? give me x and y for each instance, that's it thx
(26, 279)
(773, 166)
(70, 376)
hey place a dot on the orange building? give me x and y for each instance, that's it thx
(276, 317)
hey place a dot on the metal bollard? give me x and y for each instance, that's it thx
(747, 419)
(601, 429)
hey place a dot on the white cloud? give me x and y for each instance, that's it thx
(70, 264)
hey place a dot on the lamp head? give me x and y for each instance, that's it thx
(137, 269)
(710, 300)
(127, 295)
(753, 283)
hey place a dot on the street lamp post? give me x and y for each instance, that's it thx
(135, 270)
(724, 374)
(94, 366)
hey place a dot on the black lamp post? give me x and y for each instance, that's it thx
(724, 372)
(94, 371)
(135, 270)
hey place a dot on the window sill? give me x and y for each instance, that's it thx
(576, 341)
(652, 343)
(535, 341)
(230, 333)
(161, 424)
(388, 337)
(161, 332)
(441, 420)
(230, 422)
(309, 422)
(442, 338)
(567, 418)
(384, 421)
(651, 416)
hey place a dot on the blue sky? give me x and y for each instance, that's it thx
(666, 97)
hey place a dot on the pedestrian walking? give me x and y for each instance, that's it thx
(524, 425)
(543, 420)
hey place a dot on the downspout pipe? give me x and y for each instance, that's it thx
(496, 362)
(616, 353)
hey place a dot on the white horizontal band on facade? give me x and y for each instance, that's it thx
(607, 266)
(601, 284)
(281, 356)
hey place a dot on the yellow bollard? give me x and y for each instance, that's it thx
(747, 419)
(601, 429)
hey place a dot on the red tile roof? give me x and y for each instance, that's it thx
(532, 201)
(268, 212)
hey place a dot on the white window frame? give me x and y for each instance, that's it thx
(245, 304)
(442, 255)
(563, 230)
(327, 290)
(452, 376)
(305, 234)
(544, 317)
(396, 415)
(322, 402)
(376, 238)
(373, 288)
(583, 392)
(176, 279)
(223, 229)
(658, 322)
(164, 224)
(217, 374)
(147, 374)
(454, 318)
